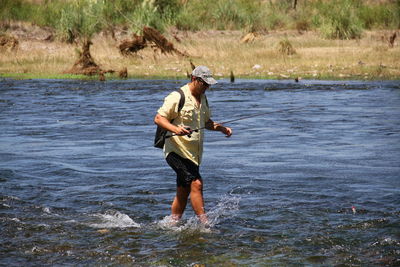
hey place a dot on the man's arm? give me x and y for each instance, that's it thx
(164, 123)
(213, 126)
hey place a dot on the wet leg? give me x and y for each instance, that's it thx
(180, 201)
(197, 201)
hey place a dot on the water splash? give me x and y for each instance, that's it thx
(226, 207)
(46, 210)
(113, 219)
(169, 223)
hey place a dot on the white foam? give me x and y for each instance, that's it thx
(10, 198)
(191, 225)
(15, 219)
(46, 210)
(168, 223)
(225, 208)
(113, 219)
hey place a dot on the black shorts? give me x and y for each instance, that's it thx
(186, 170)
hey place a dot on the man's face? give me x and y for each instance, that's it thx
(201, 85)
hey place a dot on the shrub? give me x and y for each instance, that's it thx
(222, 15)
(339, 20)
(285, 47)
(343, 19)
(380, 16)
(79, 20)
(158, 14)
(227, 15)
(145, 14)
(302, 25)
(14, 10)
(185, 21)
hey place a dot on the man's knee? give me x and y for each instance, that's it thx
(197, 185)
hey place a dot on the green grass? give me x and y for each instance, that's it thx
(343, 19)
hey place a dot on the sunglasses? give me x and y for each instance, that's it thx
(203, 82)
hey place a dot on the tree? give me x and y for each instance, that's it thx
(80, 20)
(78, 23)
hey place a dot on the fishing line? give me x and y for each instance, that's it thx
(239, 119)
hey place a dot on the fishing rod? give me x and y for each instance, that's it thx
(238, 119)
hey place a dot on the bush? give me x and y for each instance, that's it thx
(222, 15)
(187, 20)
(343, 19)
(46, 14)
(79, 20)
(145, 14)
(158, 14)
(227, 15)
(380, 16)
(15, 10)
(285, 47)
(339, 20)
(302, 25)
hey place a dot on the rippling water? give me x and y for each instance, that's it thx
(314, 182)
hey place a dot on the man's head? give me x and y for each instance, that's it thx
(203, 74)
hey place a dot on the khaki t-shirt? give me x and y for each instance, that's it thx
(191, 115)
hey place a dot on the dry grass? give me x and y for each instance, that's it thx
(315, 58)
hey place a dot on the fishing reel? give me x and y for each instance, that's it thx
(191, 131)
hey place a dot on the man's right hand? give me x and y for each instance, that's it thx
(182, 130)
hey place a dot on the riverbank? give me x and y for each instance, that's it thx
(267, 56)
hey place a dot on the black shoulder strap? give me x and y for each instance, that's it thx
(181, 100)
(206, 100)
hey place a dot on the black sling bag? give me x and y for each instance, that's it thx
(159, 139)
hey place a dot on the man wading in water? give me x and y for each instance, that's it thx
(183, 151)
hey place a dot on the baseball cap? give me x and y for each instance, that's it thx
(204, 73)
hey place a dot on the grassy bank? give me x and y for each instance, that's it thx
(314, 57)
(332, 39)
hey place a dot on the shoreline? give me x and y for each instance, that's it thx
(27, 76)
(64, 77)
(369, 58)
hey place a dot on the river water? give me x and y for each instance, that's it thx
(316, 181)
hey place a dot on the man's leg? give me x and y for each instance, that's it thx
(196, 198)
(180, 201)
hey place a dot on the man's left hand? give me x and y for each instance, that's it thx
(227, 131)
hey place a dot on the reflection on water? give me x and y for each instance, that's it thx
(313, 182)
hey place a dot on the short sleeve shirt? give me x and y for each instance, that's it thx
(192, 115)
